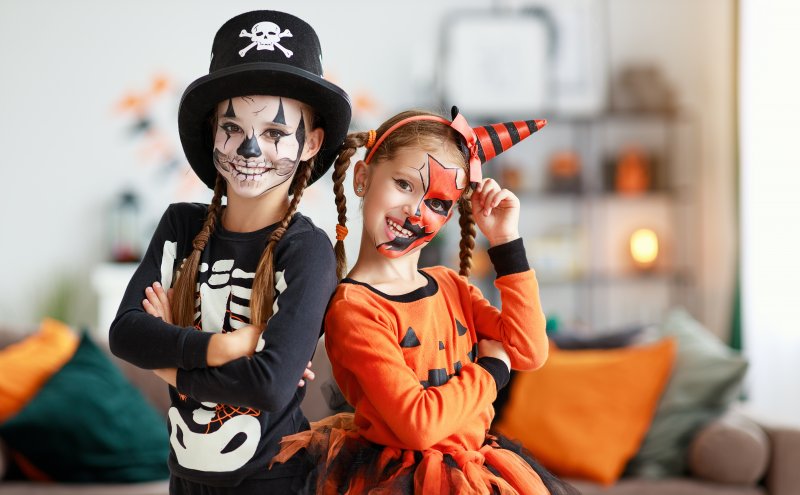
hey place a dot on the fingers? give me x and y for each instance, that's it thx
(165, 300)
(152, 303)
(161, 295)
(156, 302)
(308, 375)
(490, 195)
(149, 309)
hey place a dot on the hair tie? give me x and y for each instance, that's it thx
(341, 232)
(371, 138)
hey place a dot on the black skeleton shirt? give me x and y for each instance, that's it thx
(225, 422)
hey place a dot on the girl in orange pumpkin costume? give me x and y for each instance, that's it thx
(421, 354)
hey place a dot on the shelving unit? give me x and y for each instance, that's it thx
(578, 241)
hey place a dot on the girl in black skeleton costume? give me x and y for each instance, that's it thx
(248, 281)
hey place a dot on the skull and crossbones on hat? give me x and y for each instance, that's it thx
(265, 36)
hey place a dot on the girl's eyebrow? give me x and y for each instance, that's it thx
(261, 123)
(410, 173)
(275, 124)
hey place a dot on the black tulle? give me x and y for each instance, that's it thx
(359, 459)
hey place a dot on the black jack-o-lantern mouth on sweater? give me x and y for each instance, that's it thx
(440, 376)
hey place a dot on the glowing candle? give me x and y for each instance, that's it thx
(644, 248)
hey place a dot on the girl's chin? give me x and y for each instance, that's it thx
(251, 188)
(248, 190)
(391, 253)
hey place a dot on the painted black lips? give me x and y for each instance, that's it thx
(402, 243)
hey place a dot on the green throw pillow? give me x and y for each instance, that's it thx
(89, 424)
(706, 378)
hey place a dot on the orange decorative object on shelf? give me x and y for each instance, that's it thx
(633, 172)
(564, 172)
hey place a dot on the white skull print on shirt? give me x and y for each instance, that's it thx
(217, 437)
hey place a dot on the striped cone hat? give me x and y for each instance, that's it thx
(483, 143)
(488, 141)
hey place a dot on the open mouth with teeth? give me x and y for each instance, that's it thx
(402, 236)
(249, 171)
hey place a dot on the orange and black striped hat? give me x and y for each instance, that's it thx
(483, 143)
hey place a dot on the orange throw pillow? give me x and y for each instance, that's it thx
(585, 412)
(28, 364)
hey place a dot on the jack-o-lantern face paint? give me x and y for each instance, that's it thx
(429, 199)
(258, 142)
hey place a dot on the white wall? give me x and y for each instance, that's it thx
(693, 41)
(770, 182)
(65, 64)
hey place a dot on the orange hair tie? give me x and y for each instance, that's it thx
(341, 232)
(371, 138)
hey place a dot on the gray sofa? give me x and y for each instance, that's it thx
(720, 451)
(782, 474)
(782, 469)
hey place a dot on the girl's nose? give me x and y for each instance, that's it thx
(411, 212)
(249, 147)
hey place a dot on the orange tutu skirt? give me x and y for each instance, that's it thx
(348, 464)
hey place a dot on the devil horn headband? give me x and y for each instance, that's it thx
(483, 143)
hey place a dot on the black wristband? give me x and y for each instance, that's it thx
(497, 368)
(509, 258)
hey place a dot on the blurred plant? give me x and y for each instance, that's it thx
(59, 299)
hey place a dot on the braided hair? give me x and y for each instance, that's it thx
(263, 293)
(183, 300)
(412, 134)
(351, 144)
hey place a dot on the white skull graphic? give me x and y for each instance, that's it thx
(265, 36)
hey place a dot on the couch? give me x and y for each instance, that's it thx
(782, 470)
(782, 474)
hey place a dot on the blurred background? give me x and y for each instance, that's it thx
(664, 179)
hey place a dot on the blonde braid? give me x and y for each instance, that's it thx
(351, 143)
(467, 243)
(184, 296)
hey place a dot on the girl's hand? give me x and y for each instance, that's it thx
(308, 375)
(496, 212)
(493, 349)
(157, 302)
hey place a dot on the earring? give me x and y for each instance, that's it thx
(359, 189)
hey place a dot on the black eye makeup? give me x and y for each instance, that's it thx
(230, 127)
(274, 134)
(439, 206)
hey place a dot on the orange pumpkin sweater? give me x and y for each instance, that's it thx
(407, 363)
(423, 405)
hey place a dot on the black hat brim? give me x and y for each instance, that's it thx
(261, 78)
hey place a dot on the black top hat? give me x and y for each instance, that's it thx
(262, 52)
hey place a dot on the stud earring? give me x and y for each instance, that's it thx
(359, 189)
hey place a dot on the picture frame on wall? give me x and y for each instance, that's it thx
(549, 57)
(496, 63)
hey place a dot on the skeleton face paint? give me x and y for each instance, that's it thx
(258, 142)
(428, 201)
